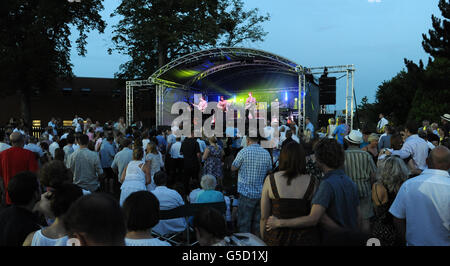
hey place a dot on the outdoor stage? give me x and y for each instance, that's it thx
(232, 73)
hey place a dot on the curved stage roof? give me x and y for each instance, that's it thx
(229, 69)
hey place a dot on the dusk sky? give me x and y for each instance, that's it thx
(374, 35)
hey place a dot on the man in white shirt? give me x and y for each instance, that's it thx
(422, 206)
(414, 147)
(176, 156)
(52, 148)
(383, 121)
(168, 199)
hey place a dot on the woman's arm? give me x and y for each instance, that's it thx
(148, 174)
(205, 154)
(312, 219)
(122, 178)
(266, 207)
(29, 239)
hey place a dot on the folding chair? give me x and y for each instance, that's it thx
(186, 211)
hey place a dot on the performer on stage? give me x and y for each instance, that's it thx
(250, 105)
(202, 104)
(223, 104)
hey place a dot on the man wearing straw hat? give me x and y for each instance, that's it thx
(360, 167)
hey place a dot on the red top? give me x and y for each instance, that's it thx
(13, 161)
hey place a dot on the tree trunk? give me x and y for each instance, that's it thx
(162, 54)
(25, 108)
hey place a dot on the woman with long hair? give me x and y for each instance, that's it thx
(287, 194)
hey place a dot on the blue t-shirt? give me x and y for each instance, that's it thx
(339, 132)
(338, 194)
(207, 196)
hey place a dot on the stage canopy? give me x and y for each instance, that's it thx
(232, 73)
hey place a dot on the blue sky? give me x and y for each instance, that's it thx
(374, 35)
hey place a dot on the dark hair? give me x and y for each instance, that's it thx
(99, 216)
(63, 197)
(292, 161)
(84, 140)
(396, 141)
(160, 178)
(412, 127)
(59, 154)
(70, 139)
(212, 221)
(141, 210)
(44, 145)
(22, 188)
(138, 153)
(54, 174)
(110, 137)
(329, 152)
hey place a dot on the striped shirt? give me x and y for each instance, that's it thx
(359, 166)
(254, 163)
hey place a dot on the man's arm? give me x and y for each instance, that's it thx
(312, 219)
(237, 162)
(404, 152)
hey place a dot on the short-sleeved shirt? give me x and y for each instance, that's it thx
(338, 194)
(424, 201)
(207, 196)
(13, 161)
(339, 133)
(359, 166)
(107, 153)
(121, 160)
(86, 168)
(253, 163)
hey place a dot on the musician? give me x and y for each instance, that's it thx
(223, 104)
(202, 104)
(250, 105)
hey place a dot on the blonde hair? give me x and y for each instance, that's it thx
(392, 172)
(373, 137)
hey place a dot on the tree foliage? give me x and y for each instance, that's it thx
(35, 45)
(437, 44)
(153, 32)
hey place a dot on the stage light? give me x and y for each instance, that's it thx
(218, 98)
(234, 97)
(285, 96)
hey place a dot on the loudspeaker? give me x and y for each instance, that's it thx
(327, 92)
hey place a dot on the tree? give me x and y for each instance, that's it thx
(153, 32)
(35, 45)
(437, 45)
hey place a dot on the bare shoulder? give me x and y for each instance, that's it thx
(379, 193)
(28, 239)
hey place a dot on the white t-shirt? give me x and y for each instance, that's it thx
(424, 201)
(52, 148)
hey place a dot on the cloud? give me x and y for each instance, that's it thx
(374, 1)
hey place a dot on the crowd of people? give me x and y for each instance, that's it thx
(105, 184)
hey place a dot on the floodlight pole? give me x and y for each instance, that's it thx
(301, 96)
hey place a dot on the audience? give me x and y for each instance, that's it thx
(287, 194)
(208, 193)
(54, 204)
(168, 199)
(392, 172)
(141, 210)
(312, 193)
(96, 220)
(85, 166)
(361, 168)
(18, 220)
(15, 160)
(421, 207)
(253, 164)
(136, 175)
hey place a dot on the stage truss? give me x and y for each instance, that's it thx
(161, 85)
